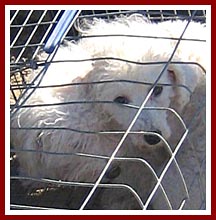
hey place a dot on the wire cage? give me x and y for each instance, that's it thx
(30, 30)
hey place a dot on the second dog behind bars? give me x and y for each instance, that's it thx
(112, 75)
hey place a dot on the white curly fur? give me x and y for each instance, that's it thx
(109, 117)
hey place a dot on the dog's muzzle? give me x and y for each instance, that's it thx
(152, 139)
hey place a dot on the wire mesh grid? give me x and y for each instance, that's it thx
(29, 31)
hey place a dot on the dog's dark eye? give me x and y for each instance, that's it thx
(157, 90)
(122, 100)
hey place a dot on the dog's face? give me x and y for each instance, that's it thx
(131, 89)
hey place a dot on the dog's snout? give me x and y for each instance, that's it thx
(152, 139)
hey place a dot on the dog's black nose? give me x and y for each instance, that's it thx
(152, 139)
(113, 172)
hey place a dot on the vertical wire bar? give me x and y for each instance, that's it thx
(14, 15)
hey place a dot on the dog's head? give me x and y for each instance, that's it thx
(173, 89)
(129, 87)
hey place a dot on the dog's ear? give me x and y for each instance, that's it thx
(185, 78)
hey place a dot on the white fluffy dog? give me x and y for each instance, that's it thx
(83, 128)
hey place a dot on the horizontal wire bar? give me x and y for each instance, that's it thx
(30, 86)
(83, 131)
(45, 62)
(41, 63)
(28, 207)
(108, 14)
(85, 102)
(135, 36)
(32, 24)
(26, 46)
(144, 12)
